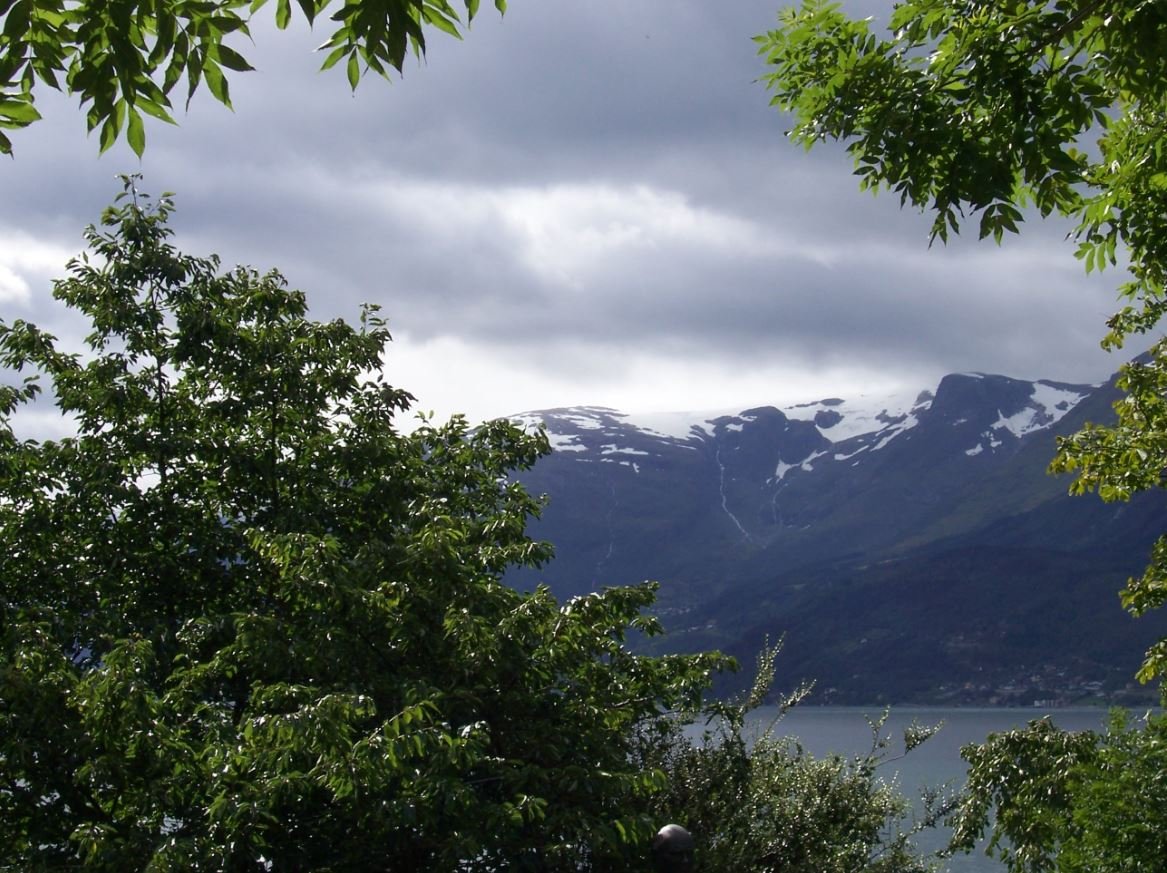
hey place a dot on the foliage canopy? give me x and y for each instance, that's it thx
(248, 624)
(761, 803)
(982, 109)
(124, 58)
(1066, 802)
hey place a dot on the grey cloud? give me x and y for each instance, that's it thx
(425, 195)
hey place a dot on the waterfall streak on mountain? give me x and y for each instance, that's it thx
(775, 512)
(724, 504)
(597, 573)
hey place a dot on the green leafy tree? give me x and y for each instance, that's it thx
(986, 111)
(757, 802)
(248, 624)
(1064, 802)
(124, 58)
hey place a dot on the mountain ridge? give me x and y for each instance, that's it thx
(754, 521)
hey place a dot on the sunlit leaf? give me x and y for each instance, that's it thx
(354, 71)
(231, 59)
(135, 132)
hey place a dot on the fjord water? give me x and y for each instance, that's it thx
(845, 731)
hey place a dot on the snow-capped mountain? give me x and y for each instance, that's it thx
(850, 427)
(750, 518)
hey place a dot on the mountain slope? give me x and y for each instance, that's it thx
(925, 522)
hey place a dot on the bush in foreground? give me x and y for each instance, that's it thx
(758, 802)
(1055, 801)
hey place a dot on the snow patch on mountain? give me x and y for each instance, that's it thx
(564, 443)
(839, 420)
(613, 449)
(635, 466)
(678, 425)
(808, 464)
(846, 457)
(836, 419)
(782, 469)
(1049, 403)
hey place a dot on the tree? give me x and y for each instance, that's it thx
(982, 109)
(124, 58)
(248, 624)
(1069, 802)
(758, 802)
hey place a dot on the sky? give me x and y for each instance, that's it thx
(579, 203)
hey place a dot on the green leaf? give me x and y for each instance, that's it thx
(354, 71)
(309, 9)
(216, 82)
(334, 56)
(18, 113)
(135, 132)
(231, 59)
(17, 20)
(194, 63)
(155, 110)
(444, 23)
(112, 126)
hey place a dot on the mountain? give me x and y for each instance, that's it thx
(911, 548)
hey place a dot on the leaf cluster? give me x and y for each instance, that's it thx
(249, 624)
(971, 108)
(760, 802)
(125, 58)
(1062, 802)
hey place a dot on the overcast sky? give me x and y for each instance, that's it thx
(580, 203)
